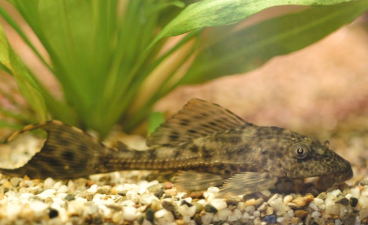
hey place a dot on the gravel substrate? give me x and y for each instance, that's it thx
(114, 199)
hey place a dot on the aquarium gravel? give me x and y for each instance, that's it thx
(114, 199)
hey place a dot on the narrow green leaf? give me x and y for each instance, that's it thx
(25, 82)
(155, 120)
(249, 48)
(5, 124)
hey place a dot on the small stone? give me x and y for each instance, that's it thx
(269, 211)
(342, 200)
(53, 213)
(295, 220)
(198, 206)
(322, 195)
(87, 196)
(288, 199)
(159, 193)
(209, 208)
(219, 204)
(48, 183)
(262, 207)
(303, 200)
(69, 197)
(118, 217)
(155, 187)
(150, 215)
(270, 219)
(206, 218)
(63, 189)
(15, 181)
(168, 185)
(353, 201)
(7, 184)
(300, 213)
(130, 213)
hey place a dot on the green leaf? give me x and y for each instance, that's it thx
(249, 48)
(26, 84)
(208, 13)
(155, 120)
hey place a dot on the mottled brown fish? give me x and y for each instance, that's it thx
(206, 144)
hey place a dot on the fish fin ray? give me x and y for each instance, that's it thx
(189, 181)
(67, 153)
(247, 182)
(198, 118)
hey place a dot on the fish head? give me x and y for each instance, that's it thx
(308, 157)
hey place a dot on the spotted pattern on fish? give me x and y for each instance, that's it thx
(204, 143)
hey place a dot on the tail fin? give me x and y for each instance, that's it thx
(67, 153)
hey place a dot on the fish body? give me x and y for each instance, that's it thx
(206, 145)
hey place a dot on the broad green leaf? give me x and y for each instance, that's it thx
(249, 48)
(209, 13)
(25, 82)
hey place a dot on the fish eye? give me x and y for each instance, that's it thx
(300, 151)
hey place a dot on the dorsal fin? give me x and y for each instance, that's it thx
(197, 119)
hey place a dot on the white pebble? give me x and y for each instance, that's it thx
(146, 222)
(57, 185)
(266, 193)
(250, 209)
(288, 199)
(13, 211)
(213, 190)
(46, 193)
(336, 192)
(39, 208)
(221, 215)
(235, 215)
(130, 213)
(338, 222)
(291, 213)
(245, 217)
(93, 189)
(63, 189)
(48, 183)
(160, 213)
(185, 210)
(118, 217)
(256, 213)
(318, 201)
(313, 206)
(355, 192)
(218, 204)
(207, 218)
(280, 219)
(315, 214)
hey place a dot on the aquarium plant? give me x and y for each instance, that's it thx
(114, 59)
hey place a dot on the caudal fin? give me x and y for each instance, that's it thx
(67, 153)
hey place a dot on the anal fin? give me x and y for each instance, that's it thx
(190, 181)
(247, 182)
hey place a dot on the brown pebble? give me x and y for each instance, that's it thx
(168, 185)
(295, 220)
(196, 194)
(1, 196)
(303, 200)
(86, 195)
(300, 213)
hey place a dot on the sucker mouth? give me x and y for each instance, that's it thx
(329, 180)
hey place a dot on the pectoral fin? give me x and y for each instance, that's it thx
(247, 182)
(189, 181)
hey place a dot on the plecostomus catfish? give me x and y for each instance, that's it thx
(206, 145)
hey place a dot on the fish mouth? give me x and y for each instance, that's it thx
(329, 180)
